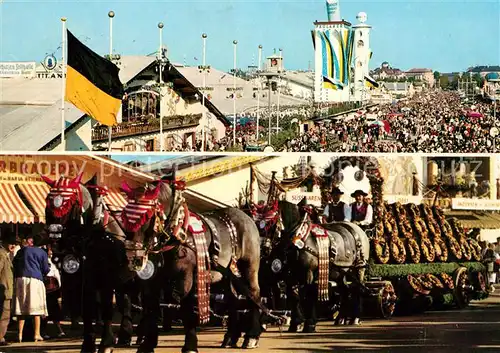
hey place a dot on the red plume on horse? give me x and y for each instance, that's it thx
(63, 195)
(142, 205)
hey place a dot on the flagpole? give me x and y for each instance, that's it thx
(160, 55)
(204, 37)
(258, 91)
(63, 89)
(111, 14)
(235, 42)
(278, 89)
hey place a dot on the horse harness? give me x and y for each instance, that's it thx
(326, 244)
(176, 228)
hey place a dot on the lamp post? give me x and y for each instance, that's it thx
(258, 92)
(63, 86)
(278, 88)
(269, 109)
(235, 43)
(111, 15)
(160, 56)
(204, 38)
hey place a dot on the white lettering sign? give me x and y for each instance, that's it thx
(404, 199)
(17, 69)
(475, 204)
(295, 196)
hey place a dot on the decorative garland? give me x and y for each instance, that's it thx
(382, 250)
(436, 282)
(398, 250)
(459, 233)
(417, 285)
(425, 282)
(422, 232)
(475, 249)
(398, 213)
(448, 280)
(440, 249)
(397, 271)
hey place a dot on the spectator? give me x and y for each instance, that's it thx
(31, 264)
(6, 286)
(489, 259)
(53, 290)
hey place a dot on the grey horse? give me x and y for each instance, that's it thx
(233, 246)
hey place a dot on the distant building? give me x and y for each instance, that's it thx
(424, 75)
(30, 110)
(398, 89)
(299, 84)
(484, 70)
(386, 72)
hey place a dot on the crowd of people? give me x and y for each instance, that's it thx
(30, 289)
(430, 122)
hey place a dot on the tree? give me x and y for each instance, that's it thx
(444, 82)
(454, 82)
(479, 79)
(436, 75)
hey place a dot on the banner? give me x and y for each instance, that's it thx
(17, 69)
(475, 204)
(403, 199)
(27, 169)
(295, 196)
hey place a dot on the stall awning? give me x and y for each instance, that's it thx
(36, 195)
(115, 200)
(476, 219)
(12, 207)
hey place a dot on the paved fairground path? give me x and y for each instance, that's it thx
(474, 329)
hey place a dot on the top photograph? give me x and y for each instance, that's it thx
(322, 76)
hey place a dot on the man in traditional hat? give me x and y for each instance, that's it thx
(336, 210)
(360, 211)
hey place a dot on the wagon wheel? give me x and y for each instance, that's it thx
(463, 287)
(386, 300)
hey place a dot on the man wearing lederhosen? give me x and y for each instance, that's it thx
(336, 210)
(361, 213)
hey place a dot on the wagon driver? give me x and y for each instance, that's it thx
(336, 210)
(361, 212)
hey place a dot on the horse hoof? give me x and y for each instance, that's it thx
(339, 322)
(295, 328)
(105, 350)
(309, 329)
(250, 343)
(229, 342)
(263, 327)
(123, 343)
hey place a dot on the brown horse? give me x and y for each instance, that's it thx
(90, 253)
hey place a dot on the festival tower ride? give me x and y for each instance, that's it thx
(341, 57)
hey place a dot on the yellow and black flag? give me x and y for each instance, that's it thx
(92, 83)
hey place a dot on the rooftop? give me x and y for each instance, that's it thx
(222, 84)
(29, 111)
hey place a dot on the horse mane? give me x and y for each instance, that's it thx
(290, 215)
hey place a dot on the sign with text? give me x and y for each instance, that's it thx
(17, 69)
(19, 169)
(475, 204)
(295, 196)
(403, 199)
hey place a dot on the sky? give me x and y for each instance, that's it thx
(145, 158)
(444, 35)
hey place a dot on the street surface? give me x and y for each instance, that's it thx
(475, 329)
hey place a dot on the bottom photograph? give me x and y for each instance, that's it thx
(275, 253)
